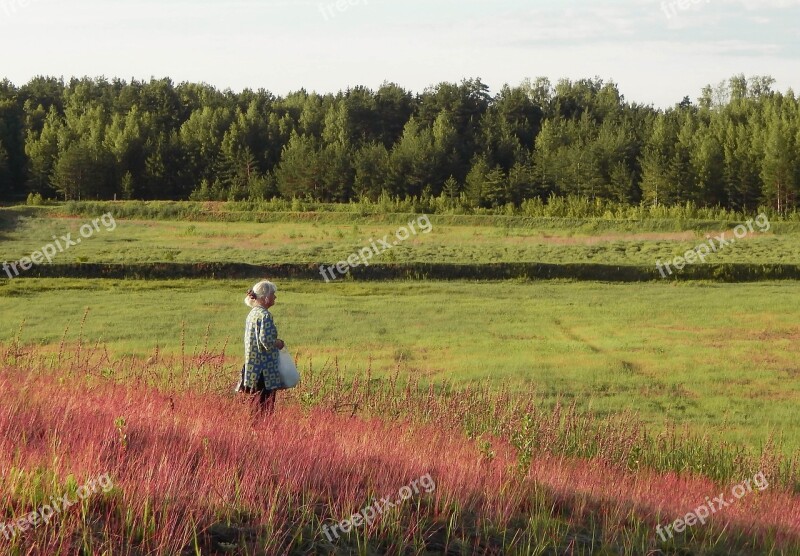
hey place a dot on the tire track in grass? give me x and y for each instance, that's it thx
(628, 367)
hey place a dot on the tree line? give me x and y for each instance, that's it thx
(736, 146)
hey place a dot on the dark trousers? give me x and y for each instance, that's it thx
(263, 399)
(266, 401)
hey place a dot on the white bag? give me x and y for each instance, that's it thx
(287, 369)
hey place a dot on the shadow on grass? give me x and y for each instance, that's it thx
(12, 217)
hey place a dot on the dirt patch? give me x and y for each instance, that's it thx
(690, 236)
(608, 238)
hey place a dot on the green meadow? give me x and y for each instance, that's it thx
(711, 357)
(714, 358)
(641, 387)
(328, 238)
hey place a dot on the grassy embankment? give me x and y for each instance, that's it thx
(330, 237)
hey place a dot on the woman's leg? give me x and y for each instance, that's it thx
(263, 399)
(267, 401)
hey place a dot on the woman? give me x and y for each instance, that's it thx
(261, 346)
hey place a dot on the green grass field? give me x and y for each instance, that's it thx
(295, 239)
(557, 416)
(716, 358)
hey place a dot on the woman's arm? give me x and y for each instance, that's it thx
(268, 334)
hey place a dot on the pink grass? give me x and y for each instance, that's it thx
(196, 459)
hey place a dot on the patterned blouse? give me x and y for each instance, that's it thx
(260, 352)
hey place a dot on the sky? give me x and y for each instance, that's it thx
(657, 51)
